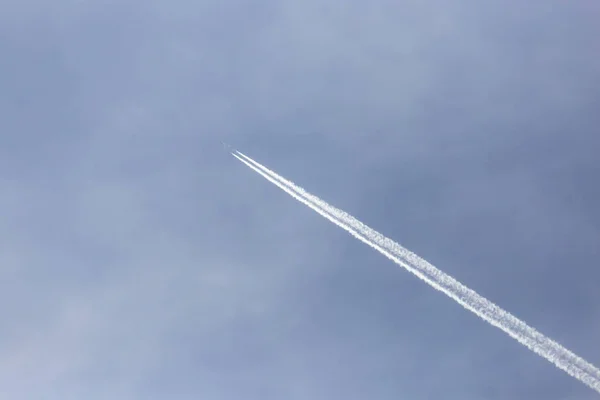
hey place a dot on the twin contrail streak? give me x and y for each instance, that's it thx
(469, 299)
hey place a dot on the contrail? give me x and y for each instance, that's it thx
(469, 299)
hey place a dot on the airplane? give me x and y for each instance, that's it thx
(227, 147)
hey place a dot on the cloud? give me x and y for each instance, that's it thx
(135, 252)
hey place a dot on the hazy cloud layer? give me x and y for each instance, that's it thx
(139, 261)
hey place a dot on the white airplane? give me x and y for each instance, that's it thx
(227, 147)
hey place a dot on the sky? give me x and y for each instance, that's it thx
(138, 260)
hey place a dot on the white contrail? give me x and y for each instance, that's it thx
(488, 311)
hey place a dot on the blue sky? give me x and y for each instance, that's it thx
(140, 261)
